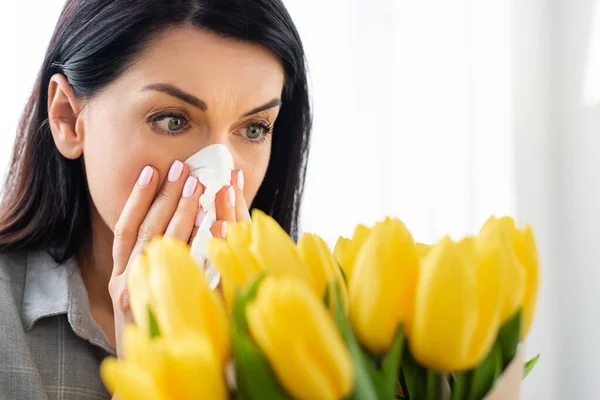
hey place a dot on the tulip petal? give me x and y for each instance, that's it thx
(346, 250)
(526, 251)
(129, 381)
(274, 249)
(139, 290)
(287, 311)
(445, 317)
(182, 299)
(194, 370)
(322, 265)
(382, 286)
(232, 273)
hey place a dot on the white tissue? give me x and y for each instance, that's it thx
(212, 166)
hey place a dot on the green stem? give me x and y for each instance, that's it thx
(441, 387)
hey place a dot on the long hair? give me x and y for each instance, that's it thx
(45, 205)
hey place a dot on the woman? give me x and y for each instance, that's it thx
(128, 89)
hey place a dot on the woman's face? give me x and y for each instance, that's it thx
(190, 89)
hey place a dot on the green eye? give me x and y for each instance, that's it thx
(175, 123)
(170, 123)
(254, 132)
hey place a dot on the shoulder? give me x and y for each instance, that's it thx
(13, 268)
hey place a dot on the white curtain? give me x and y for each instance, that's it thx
(412, 113)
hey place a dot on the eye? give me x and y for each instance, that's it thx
(255, 131)
(170, 123)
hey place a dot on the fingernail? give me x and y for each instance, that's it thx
(145, 176)
(189, 187)
(231, 196)
(239, 182)
(224, 229)
(200, 217)
(175, 171)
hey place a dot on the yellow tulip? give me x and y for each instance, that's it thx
(264, 246)
(488, 257)
(275, 249)
(300, 340)
(526, 251)
(233, 259)
(139, 290)
(186, 368)
(194, 370)
(180, 296)
(140, 375)
(382, 285)
(321, 264)
(446, 313)
(522, 274)
(345, 250)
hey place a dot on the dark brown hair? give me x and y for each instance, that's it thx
(45, 204)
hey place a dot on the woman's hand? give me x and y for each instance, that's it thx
(171, 210)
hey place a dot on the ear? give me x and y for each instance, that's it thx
(63, 116)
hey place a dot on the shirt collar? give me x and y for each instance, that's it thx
(54, 289)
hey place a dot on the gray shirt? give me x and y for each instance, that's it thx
(50, 346)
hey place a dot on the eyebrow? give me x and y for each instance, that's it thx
(174, 91)
(266, 106)
(180, 94)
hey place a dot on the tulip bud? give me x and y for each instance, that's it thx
(300, 340)
(194, 370)
(139, 291)
(274, 249)
(445, 314)
(513, 272)
(345, 250)
(321, 264)
(181, 297)
(382, 285)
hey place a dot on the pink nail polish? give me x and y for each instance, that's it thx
(224, 230)
(200, 217)
(189, 187)
(239, 182)
(145, 176)
(231, 196)
(175, 171)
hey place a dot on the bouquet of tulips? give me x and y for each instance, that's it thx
(380, 317)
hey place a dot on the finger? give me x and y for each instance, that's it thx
(164, 205)
(219, 229)
(126, 228)
(241, 210)
(225, 204)
(184, 219)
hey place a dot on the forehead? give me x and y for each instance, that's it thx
(209, 66)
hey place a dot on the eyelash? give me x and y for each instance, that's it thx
(267, 132)
(154, 119)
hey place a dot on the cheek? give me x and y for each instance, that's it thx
(112, 172)
(254, 164)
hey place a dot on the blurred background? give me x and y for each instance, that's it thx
(440, 112)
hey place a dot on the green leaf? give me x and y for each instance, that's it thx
(390, 367)
(255, 377)
(431, 376)
(484, 376)
(242, 299)
(363, 387)
(529, 365)
(414, 376)
(460, 385)
(153, 328)
(509, 337)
